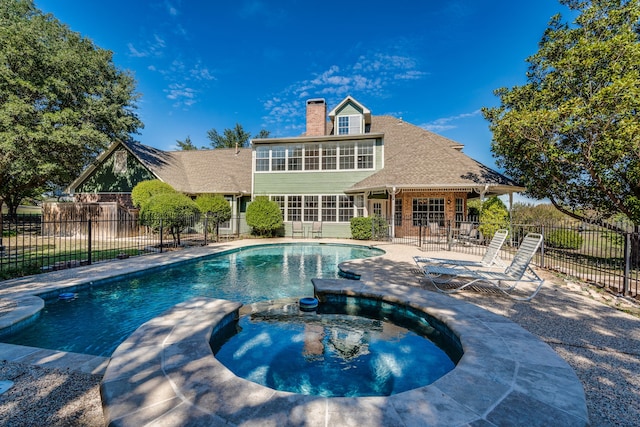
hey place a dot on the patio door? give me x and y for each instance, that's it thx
(378, 207)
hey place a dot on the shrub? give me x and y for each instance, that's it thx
(216, 207)
(493, 216)
(173, 209)
(361, 228)
(563, 239)
(143, 191)
(264, 216)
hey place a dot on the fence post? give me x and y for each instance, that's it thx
(627, 264)
(420, 233)
(206, 227)
(89, 241)
(161, 234)
(449, 235)
(542, 247)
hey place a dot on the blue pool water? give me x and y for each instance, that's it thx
(101, 317)
(330, 353)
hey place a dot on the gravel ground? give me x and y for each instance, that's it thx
(49, 397)
(579, 322)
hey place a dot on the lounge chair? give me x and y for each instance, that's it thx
(490, 259)
(296, 228)
(516, 273)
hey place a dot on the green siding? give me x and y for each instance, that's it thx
(348, 109)
(104, 180)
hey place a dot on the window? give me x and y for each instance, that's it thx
(459, 211)
(349, 125)
(398, 212)
(262, 158)
(312, 157)
(365, 155)
(358, 202)
(280, 201)
(329, 208)
(310, 208)
(345, 208)
(120, 162)
(278, 158)
(347, 156)
(294, 158)
(294, 208)
(428, 210)
(329, 154)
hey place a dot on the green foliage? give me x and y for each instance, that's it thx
(230, 138)
(524, 213)
(186, 145)
(563, 239)
(361, 228)
(493, 216)
(62, 101)
(264, 216)
(216, 207)
(145, 190)
(170, 210)
(571, 134)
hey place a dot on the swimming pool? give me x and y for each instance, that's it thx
(105, 314)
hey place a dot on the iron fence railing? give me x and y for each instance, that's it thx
(30, 245)
(607, 255)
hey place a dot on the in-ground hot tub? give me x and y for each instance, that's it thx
(166, 373)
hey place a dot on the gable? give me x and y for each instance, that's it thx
(118, 172)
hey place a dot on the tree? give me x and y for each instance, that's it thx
(493, 216)
(216, 207)
(231, 138)
(572, 133)
(186, 144)
(264, 216)
(62, 101)
(263, 134)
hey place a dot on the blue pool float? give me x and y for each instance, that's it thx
(308, 303)
(67, 296)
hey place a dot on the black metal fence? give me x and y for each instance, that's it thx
(30, 245)
(605, 255)
(608, 256)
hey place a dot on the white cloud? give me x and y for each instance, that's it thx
(182, 95)
(152, 48)
(447, 123)
(171, 9)
(373, 74)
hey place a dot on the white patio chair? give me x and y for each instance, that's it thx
(507, 281)
(316, 229)
(436, 231)
(491, 257)
(296, 228)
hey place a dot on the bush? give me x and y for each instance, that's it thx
(361, 228)
(563, 239)
(264, 216)
(216, 207)
(173, 209)
(143, 191)
(493, 216)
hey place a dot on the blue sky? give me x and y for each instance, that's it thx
(211, 64)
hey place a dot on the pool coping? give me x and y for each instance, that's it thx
(165, 374)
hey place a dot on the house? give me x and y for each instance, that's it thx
(348, 163)
(357, 164)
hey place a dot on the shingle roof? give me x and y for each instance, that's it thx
(416, 158)
(221, 171)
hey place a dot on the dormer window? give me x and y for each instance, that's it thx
(350, 125)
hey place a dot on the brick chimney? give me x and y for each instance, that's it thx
(316, 117)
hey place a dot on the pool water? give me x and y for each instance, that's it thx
(332, 354)
(104, 315)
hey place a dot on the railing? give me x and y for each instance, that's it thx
(30, 245)
(607, 256)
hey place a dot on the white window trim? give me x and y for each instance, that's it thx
(357, 206)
